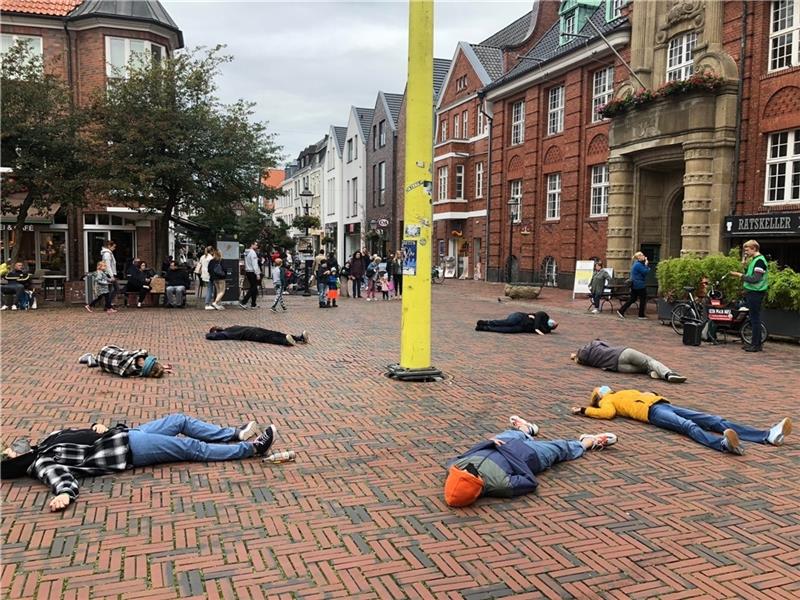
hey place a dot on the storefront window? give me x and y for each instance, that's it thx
(53, 252)
(27, 252)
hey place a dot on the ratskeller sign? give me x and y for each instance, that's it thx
(763, 224)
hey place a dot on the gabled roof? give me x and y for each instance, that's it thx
(339, 135)
(364, 117)
(393, 103)
(491, 59)
(441, 66)
(149, 11)
(56, 8)
(511, 35)
(549, 47)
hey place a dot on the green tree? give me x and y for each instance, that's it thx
(164, 141)
(41, 146)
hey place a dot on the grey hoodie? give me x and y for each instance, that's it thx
(599, 354)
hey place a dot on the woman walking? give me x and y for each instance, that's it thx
(356, 273)
(217, 273)
(639, 272)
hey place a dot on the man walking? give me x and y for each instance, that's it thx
(253, 273)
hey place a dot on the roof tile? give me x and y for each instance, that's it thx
(58, 8)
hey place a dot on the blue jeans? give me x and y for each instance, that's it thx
(155, 442)
(695, 425)
(209, 291)
(321, 289)
(548, 453)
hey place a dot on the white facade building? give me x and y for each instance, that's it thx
(332, 222)
(354, 174)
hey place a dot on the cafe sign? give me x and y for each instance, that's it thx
(769, 224)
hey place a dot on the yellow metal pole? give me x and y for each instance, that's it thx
(415, 335)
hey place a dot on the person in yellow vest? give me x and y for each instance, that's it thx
(651, 408)
(755, 281)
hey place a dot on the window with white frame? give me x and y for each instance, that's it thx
(456, 126)
(459, 181)
(382, 133)
(381, 183)
(784, 34)
(555, 110)
(442, 192)
(568, 26)
(350, 150)
(355, 196)
(479, 180)
(783, 168)
(465, 123)
(120, 52)
(443, 133)
(616, 8)
(599, 191)
(679, 56)
(518, 122)
(480, 123)
(33, 44)
(602, 87)
(553, 196)
(515, 200)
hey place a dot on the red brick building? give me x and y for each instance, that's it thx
(461, 144)
(86, 42)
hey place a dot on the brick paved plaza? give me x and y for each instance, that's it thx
(361, 514)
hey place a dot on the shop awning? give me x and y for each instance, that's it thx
(35, 216)
(189, 225)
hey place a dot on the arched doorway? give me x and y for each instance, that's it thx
(673, 221)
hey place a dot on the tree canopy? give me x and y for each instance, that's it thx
(162, 140)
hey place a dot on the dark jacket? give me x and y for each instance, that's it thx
(357, 268)
(322, 273)
(246, 334)
(540, 320)
(639, 273)
(599, 354)
(177, 277)
(212, 268)
(21, 277)
(514, 460)
(137, 279)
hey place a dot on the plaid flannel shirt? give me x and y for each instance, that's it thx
(58, 465)
(116, 360)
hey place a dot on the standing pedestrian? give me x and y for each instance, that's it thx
(755, 283)
(357, 270)
(597, 285)
(639, 271)
(205, 277)
(218, 274)
(322, 273)
(397, 273)
(344, 276)
(107, 256)
(371, 274)
(253, 274)
(279, 283)
(101, 285)
(333, 288)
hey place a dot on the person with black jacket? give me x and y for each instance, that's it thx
(138, 281)
(519, 322)
(256, 334)
(18, 283)
(218, 274)
(599, 354)
(177, 281)
(323, 271)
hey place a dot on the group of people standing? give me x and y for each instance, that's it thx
(375, 274)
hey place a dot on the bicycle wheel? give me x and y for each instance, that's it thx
(747, 332)
(680, 314)
(438, 275)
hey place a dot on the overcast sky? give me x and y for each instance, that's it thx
(306, 63)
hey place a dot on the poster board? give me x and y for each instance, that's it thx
(409, 257)
(584, 269)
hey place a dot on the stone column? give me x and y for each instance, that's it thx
(697, 189)
(713, 22)
(620, 214)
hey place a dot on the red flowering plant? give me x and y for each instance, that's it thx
(707, 81)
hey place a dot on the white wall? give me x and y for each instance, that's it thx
(351, 170)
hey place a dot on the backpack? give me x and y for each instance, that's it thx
(370, 271)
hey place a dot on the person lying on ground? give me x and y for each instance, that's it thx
(519, 322)
(507, 464)
(656, 410)
(64, 456)
(126, 363)
(256, 334)
(599, 354)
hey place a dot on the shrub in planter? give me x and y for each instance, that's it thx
(784, 289)
(676, 273)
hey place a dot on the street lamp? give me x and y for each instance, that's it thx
(305, 201)
(514, 201)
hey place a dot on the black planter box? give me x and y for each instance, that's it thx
(664, 310)
(783, 323)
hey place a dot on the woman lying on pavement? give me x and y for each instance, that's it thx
(519, 322)
(507, 464)
(624, 360)
(64, 456)
(656, 410)
(126, 363)
(256, 334)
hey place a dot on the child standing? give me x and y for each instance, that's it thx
(384, 283)
(333, 288)
(101, 284)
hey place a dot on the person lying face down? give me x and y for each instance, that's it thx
(126, 363)
(256, 334)
(63, 457)
(599, 354)
(711, 431)
(519, 322)
(507, 464)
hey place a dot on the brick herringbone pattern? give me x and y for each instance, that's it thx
(360, 514)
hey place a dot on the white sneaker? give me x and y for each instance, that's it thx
(13, 307)
(246, 432)
(218, 306)
(4, 307)
(600, 440)
(779, 431)
(595, 311)
(209, 307)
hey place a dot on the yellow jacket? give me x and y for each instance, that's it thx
(625, 403)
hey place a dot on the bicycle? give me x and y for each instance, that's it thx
(687, 310)
(437, 273)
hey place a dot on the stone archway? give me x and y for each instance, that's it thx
(673, 221)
